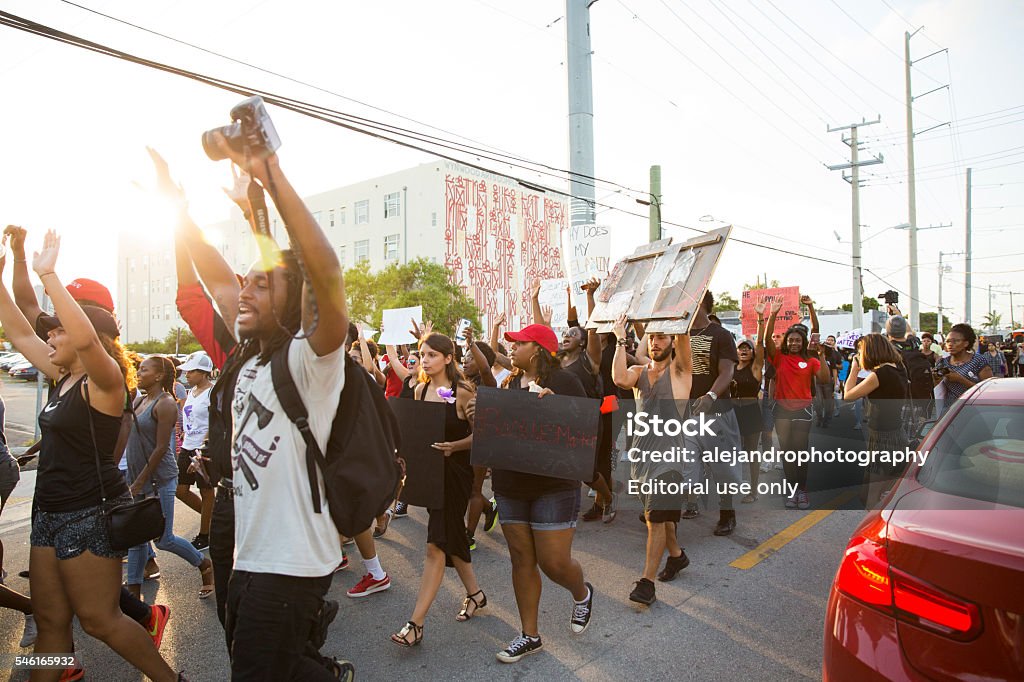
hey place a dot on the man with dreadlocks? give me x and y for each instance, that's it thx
(285, 553)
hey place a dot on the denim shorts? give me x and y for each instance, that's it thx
(554, 511)
(71, 533)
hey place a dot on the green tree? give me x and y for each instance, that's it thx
(868, 303)
(179, 338)
(928, 323)
(724, 301)
(419, 282)
(992, 321)
(773, 284)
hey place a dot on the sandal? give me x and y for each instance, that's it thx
(465, 614)
(207, 574)
(382, 528)
(402, 636)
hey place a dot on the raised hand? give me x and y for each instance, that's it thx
(535, 287)
(44, 261)
(776, 307)
(759, 308)
(499, 321)
(806, 300)
(545, 315)
(164, 184)
(620, 327)
(592, 285)
(17, 236)
(238, 192)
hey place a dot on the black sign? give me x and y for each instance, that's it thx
(552, 436)
(421, 425)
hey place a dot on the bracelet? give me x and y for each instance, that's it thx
(20, 260)
(51, 272)
(622, 342)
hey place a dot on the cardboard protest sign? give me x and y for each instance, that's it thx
(396, 324)
(552, 436)
(662, 283)
(586, 250)
(789, 314)
(552, 295)
(848, 339)
(421, 424)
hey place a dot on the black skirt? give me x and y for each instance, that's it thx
(446, 527)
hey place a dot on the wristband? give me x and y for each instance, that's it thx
(622, 342)
(51, 272)
(20, 260)
(714, 396)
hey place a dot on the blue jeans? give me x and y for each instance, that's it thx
(138, 555)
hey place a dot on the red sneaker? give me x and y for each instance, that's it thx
(158, 615)
(344, 563)
(368, 586)
(71, 674)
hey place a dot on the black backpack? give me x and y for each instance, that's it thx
(920, 372)
(361, 470)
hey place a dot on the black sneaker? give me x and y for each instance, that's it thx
(201, 542)
(643, 593)
(519, 647)
(691, 513)
(490, 515)
(594, 513)
(472, 542)
(581, 612)
(673, 565)
(401, 510)
(726, 522)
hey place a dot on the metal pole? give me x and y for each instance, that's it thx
(911, 193)
(405, 224)
(938, 321)
(1012, 324)
(967, 256)
(654, 226)
(858, 292)
(581, 112)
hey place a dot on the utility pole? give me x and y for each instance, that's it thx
(581, 113)
(911, 179)
(967, 255)
(942, 270)
(854, 180)
(654, 226)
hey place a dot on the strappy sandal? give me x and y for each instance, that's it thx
(208, 588)
(402, 636)
(382, 528)
(465, 614)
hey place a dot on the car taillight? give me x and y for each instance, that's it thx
(865, 575)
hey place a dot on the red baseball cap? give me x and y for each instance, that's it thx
(540, 334)
(90, 290)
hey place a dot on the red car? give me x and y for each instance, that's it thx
(931, 587)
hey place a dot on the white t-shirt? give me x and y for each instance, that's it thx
(196, 419)
(276, 529)
(500, 375)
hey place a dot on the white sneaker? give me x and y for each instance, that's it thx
(28, 637)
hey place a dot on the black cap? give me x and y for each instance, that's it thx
(102, 321)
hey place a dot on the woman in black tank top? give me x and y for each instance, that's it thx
(447, 541)
(747, 380)
(74, 570)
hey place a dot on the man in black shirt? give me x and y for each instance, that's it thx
(714, 361)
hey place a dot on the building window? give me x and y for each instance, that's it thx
(341, 215)
(155, 312)
(433, 219)
(362, 251)
(167, 312)
(392, 205)
(341, 256)
(167, 284)
(391, 247)
(331, 217)
(318, 216)
(362, 212)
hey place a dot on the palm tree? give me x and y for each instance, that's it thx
(992, 321)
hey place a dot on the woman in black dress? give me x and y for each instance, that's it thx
(748, 384)
(441, 381)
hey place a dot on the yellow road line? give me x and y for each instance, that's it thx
(788, 534)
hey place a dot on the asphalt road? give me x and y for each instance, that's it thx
(20, 415)
(714, 621)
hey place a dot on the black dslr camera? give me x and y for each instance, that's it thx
(891, 297)
(252, 130)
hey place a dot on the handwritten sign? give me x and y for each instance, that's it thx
(552, 295)
(789, 314)
(553, 436)
(586, 250)
(396, 324)
(848, 339)
(421, 424)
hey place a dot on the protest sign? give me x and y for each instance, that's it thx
(552, 295)
(397, 323)
(552, 436)
(848, 339)
(586, 250)
(421, 424)
(789, 314)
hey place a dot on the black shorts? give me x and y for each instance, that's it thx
(186, 477)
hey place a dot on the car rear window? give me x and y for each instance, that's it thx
(980, 455)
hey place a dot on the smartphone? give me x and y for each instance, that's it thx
(815, 340)
(943, 371)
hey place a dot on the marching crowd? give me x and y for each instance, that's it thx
(117, 428)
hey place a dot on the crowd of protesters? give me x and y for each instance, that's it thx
(117, 427)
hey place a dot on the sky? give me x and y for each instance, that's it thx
(733, 98)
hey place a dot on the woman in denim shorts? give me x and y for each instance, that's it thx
(538, 513)
(74, 570)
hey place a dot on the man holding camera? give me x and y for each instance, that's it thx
(285, 553)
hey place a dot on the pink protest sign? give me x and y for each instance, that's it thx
(789, 314)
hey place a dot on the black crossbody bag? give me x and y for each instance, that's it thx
(131, 524)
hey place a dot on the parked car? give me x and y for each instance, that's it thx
(930, 586)
(24, 371)
(10, 360)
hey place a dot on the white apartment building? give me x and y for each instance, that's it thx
(492, 233)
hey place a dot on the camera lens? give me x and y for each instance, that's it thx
(231, 133)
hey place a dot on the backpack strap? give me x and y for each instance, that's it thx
(295, 409)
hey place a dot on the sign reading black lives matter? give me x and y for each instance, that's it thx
(551, 436)
(421, 424)
(661, 283)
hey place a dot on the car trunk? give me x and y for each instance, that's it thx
(973, 551)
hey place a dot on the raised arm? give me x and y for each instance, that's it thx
(22, 334)
(769, 342)
(318, 256)
(758, 366)
(24, 292)
(484, 370)
(538, 314)
(595, 342)
(499, 357)
(397, 366)
(623, 376)
(806, 300)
